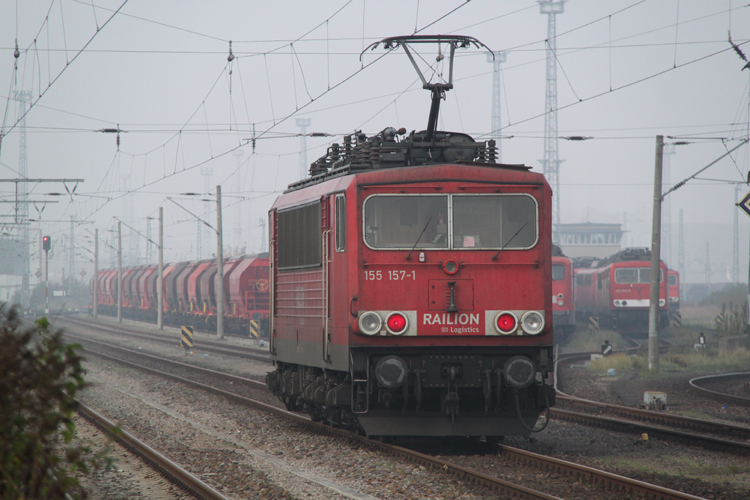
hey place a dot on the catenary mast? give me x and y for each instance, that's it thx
(551, 162)
(500, 57)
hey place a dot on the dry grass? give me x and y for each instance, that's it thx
(587, 340)
(700, 316)
(622, 363)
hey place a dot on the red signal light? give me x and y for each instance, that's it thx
(396, 323)
(46, 243)
(506, 323)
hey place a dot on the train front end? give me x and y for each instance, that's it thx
(451, 328)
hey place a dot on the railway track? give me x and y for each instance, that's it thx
(165, 467)
(205, 345)
(720, 396)
(668, 425)
(583, 473)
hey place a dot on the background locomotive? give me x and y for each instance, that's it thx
(563, 300)
(617, 291)
(410, 284)
(190, 293)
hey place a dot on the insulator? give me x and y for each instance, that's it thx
(492, 151)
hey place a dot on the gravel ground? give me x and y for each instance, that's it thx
(234, 447)
(128, 479)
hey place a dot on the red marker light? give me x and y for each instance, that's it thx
(506, 323)
(396, 323)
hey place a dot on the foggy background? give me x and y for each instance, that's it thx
(190, 119)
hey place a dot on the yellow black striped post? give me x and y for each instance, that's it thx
(186, 339)
(720, 320)
(254, 329)
(677, 318)
(594, 323)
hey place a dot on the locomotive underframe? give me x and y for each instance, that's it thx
(445, 391)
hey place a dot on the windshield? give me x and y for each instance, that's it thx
(398, 221)
(630, 275)
(558, 272)
(450, 222)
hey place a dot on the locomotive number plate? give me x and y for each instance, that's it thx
(390, 275)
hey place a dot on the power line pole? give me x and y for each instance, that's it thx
(736, 241)
(303, 123)
(708, 268)
(96, 273)
(160, 277)
(653, 306)
(149, 245)
(219, 268)
(666, 229)
(551, 162)
(72, 258)
(23, 97)
(237, 153)
(497, 125)
(119, 271)
(205, 236)
(681, 256)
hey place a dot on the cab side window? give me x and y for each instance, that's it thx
(340, 223)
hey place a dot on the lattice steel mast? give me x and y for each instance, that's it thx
(551, 162)
(303, 123)
(666, 207)
(500, 57)
(22, 188)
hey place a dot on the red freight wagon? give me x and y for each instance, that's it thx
(411, 284)
(181, 287)
(192, 286)
(205, 289)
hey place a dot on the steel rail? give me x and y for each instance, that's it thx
(164, 466)
(657, 417)
(583, 472)
(720, 396)
(205, 371)
(631, 426)
(204, 345)
(637, 416)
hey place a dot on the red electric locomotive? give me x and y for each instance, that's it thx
(410, 285)
(618, 292)
(563, 299)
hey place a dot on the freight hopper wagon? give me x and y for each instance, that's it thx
(410, 285)
(190, 294)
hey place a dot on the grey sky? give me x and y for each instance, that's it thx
(627, 71)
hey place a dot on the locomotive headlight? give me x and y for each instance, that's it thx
(532, 322)
(450, 267)
(519, 372)
(370, 323)
(396, 323)
(506, 323)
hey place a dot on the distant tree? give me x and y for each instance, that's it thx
(39, 377)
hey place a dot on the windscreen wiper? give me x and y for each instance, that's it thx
(508, 243)
(419, 238)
